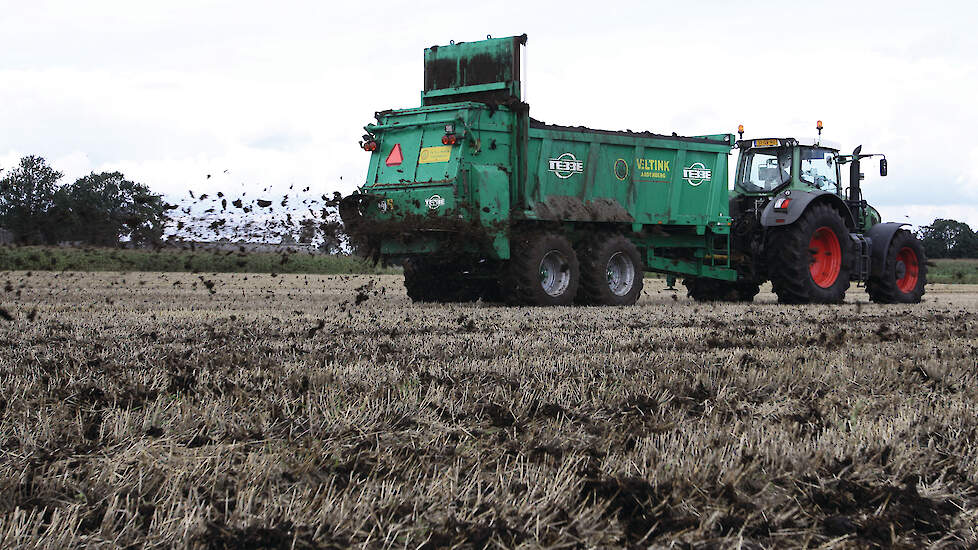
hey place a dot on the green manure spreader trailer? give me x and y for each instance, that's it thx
(478, 200)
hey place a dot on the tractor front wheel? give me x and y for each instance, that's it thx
(810, 260)
(904, 273)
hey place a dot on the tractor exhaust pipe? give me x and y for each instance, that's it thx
(855, 176)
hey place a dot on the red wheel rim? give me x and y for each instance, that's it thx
(911, 269)
(826, 257)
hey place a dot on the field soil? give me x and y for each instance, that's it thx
(306, 411)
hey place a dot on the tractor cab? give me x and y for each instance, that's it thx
(769, 166)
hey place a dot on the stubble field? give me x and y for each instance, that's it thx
(293, 411)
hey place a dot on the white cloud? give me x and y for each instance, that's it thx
(277, 95)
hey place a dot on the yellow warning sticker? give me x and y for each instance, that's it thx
(429, 155)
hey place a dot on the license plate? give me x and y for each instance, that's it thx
(766, 143)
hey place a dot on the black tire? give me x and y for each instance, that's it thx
(901, 282)
(530, 282)
(611, 271)
(795, 253)
(417, 281)
(429, 281)
(746, 291)
(490, 289)
(703, 289)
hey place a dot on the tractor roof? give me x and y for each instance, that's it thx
(786, 142)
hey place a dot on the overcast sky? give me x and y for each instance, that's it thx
(277, 94)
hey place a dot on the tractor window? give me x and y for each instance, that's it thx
(764, 170)
(819, 168)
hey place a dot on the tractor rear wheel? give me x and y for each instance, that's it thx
(904, 272)
(611, 271)
(543, 270)
(810, 260)
(703, 289)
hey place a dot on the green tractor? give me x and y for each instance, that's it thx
(795, 226)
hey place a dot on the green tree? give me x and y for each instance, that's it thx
(948, 239)
(27, 198)
(105, 208)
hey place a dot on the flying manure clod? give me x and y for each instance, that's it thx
(480, 201)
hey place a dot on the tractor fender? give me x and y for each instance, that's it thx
(799, 203)
(879, 237)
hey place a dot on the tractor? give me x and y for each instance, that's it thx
(796, 226)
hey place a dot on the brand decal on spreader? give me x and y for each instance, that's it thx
(566, 165)
(654, 170)
(697, 173)
(621, 169)
(434, 202)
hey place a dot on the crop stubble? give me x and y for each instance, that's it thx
(244, 410)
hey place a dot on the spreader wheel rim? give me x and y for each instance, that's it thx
(555, 274)
(826, 257)
(621, 274)
(907, 269)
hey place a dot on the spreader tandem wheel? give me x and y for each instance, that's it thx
(809, 261)
(703, 289)
(543, 270)
(904, 272)
(611, 271)
(429, 281)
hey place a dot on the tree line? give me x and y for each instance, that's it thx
(102, 209)
(948, 239)
(106, 209)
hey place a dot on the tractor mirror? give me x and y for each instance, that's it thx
(882, 167)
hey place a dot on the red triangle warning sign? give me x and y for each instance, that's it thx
(395, 157)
